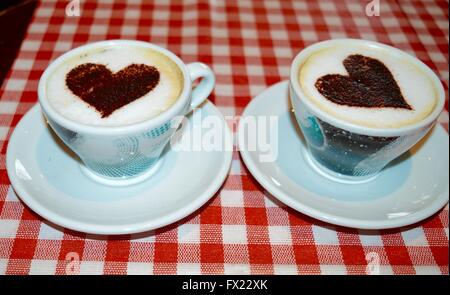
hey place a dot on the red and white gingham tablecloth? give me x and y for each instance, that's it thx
(242, 230)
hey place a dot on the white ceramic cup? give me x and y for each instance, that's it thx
(347, 152)
(129, 154)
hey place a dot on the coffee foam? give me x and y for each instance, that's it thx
(416, 87)
(115, 58)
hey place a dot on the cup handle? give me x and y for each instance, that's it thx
(204, 88)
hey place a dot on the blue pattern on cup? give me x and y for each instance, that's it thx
(117, 156)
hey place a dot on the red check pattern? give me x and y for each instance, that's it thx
(243, 229)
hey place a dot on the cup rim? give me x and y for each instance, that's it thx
(146, 125)
(360, 129)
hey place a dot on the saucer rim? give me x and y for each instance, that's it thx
(415, 217)
(133, 228)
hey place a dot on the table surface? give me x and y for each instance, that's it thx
(249, 45)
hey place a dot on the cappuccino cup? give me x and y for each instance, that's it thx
(361, 104)
(117, 103)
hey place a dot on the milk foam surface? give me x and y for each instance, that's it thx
(115, 58)
(416, 86)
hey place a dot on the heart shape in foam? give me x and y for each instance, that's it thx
(106, 91)
(369, 84)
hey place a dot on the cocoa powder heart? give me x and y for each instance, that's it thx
(106, 92)
(369, 84)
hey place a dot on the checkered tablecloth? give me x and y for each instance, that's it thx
(242, 230)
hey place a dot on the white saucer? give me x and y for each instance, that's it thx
(47, 177)
(410, 189)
